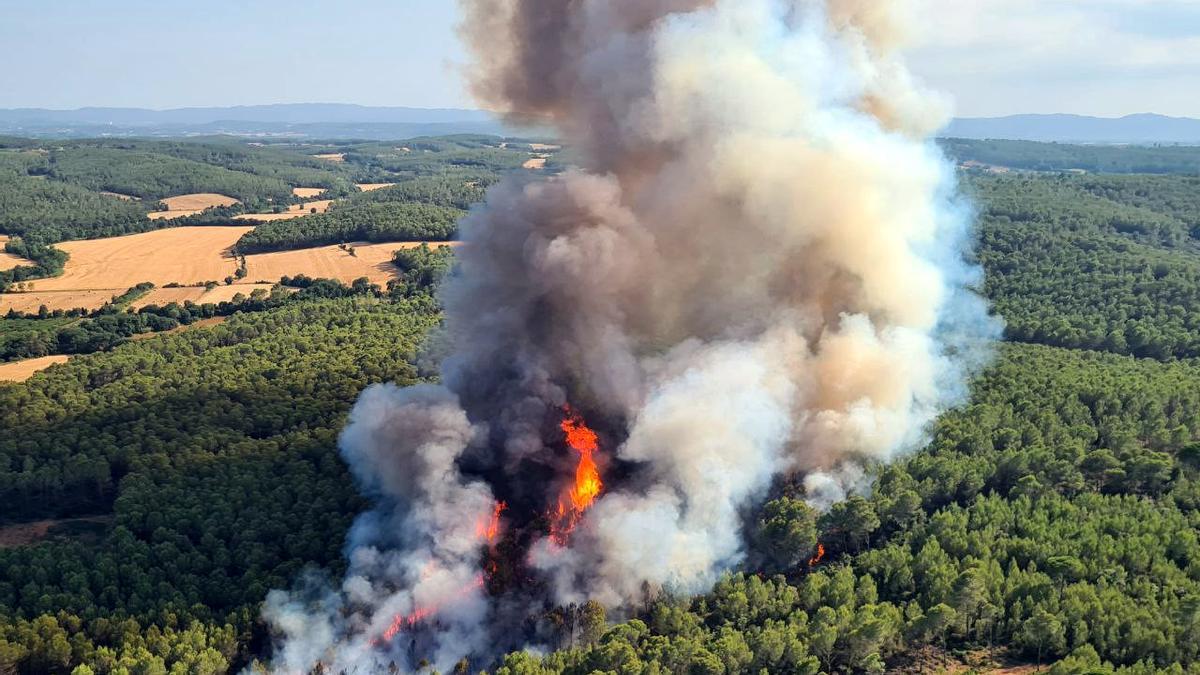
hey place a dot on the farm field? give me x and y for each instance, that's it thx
(373, 261)
(337, 157)
(196, 294)
(185, 255)
(189, 205)
(307, 192)
(535, 163)
(19, 371)
(99, 269)
(8, 260)
(371, 187)
(293, 211)
(29, 302)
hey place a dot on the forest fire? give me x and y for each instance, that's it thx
(818, 557)
(406, 621)
(489, 530)
(587, 486)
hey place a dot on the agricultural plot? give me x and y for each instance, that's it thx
(197, 294)
(294, 211)
(373, 261)
(19, 371)
(189, 205)
(8, 260)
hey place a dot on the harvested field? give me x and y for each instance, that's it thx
(332, 157)
(118, 195)
(535, 163)
(8, 260)
(373, 261)
(371, 187)
(294, 211)
(19, 371)
(83, 299)
(24, 534)
(307, 193)
(185, 255)
(196, 294)
(542, 147)
(189, 205)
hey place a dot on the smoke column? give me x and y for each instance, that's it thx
(756, 267)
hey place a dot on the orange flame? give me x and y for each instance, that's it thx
(813, 561)
(587, 485)
(488, 530)
(403, 621)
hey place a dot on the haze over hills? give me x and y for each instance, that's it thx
(1143, 128)
(340, 120)
(308, 120)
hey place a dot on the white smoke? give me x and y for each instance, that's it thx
(758, 267)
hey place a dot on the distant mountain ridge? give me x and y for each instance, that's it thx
(1142, 128)
(344, 120)
(281, 113)
(302, 120)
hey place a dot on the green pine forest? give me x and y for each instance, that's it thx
(1050, 522)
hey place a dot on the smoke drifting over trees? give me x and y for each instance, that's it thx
(756, 268)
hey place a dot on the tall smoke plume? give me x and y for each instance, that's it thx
(755, 268)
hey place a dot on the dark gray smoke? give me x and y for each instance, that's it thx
(757, 268)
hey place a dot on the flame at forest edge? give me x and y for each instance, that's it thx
(576, 499)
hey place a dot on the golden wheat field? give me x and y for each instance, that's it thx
(185, 255)
(294, 211)
(373, 261)
(83, 299)
(196, 294)
(8, 260)
(535, 163)
(307, 193)
(332, 157)
(189, 205)
(100, 269)
(19, 371)
(371, 187)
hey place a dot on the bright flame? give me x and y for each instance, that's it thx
(812, 562)
(587, 485)
(403, 621)
(488, 530)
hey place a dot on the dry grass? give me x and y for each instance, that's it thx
(196, 294)
(373, 261)
(118, 195)
(338, 157)
(542, 147)
(307, 193)
(189, 205)
(294, 211)
(19, 371)
(535, 163)
(8, 260)
(371, 187)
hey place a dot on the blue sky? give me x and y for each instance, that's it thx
(1103, 57)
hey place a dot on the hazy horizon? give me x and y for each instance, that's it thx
(1104, 58)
